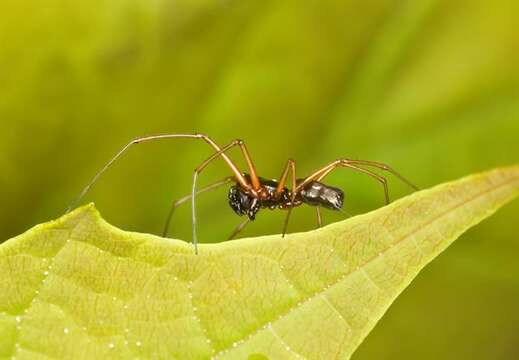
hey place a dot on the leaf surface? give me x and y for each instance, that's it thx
(80, 288)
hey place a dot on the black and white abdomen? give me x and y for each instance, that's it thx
(318, 194)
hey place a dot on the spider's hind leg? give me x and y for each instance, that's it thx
(319, 174)
(319, 218)
(384, 167)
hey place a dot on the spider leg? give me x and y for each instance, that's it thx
(319, 220)
(186, 198)
(321, 173)
(382, 166)
(252, 169)
(289, 168)
(239, 228)
(240, 178)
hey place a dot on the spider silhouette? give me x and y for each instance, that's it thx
(251, 193)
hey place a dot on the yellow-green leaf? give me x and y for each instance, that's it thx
(78, 288)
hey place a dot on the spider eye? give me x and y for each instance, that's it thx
(242, 203)
(235, 201)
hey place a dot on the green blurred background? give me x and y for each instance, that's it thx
(430, 87)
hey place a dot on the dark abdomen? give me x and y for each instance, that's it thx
(319, 194)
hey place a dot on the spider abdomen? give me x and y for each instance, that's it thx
(319, 194)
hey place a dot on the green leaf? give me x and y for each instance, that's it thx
(79, 288)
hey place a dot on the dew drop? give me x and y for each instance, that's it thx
(45, 273)
(66, 330)
(111, 345)
(18, 319)
(138, 343)
(234, 344)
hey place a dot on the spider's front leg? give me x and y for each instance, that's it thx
(220, 152)
(143, 139)
(254, 186)
(188, 197)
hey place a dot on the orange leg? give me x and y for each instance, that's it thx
(219, 152)
(289, 168)
(254, 180)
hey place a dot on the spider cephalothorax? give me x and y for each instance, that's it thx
(252, 193)
(245, 202)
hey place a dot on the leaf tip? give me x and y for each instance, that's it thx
(88, 210)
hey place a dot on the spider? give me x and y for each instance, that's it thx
(250, 193)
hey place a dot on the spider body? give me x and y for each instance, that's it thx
(315, 193)
(252, 193)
